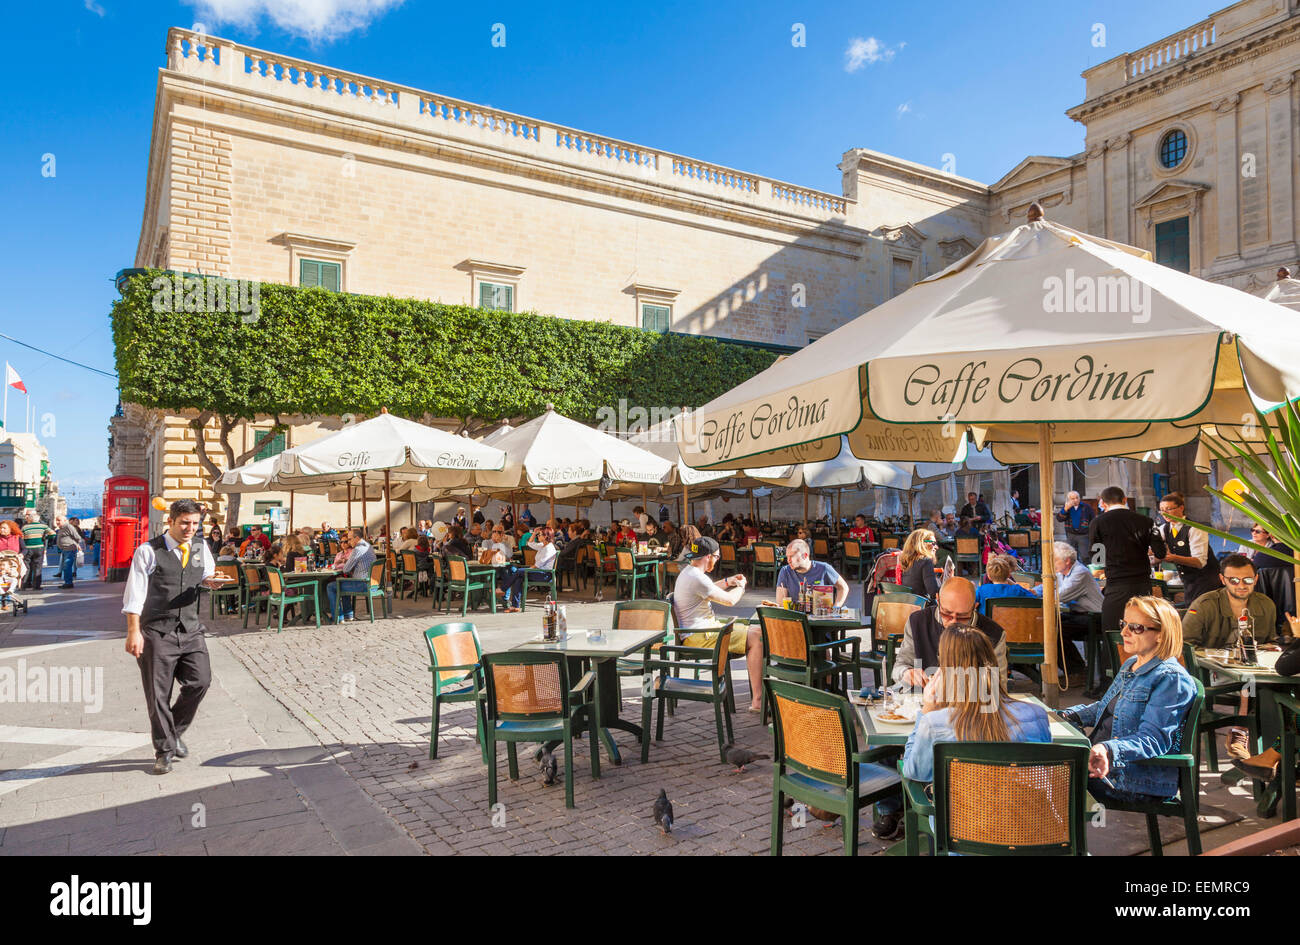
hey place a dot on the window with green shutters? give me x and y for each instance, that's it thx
(655, 317)
(1173, 248)
(497, 297)
(313, 272)
(269, 448)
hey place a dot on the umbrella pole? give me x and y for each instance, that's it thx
(1051, 691)
(290, 511)
(551, 491)
(365, 518)
(805, 505)
(348, 487)
(684, 518)
(388, 510)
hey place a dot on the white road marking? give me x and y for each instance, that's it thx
(94, 745)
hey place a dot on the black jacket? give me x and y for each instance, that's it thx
(920, 579)
(1127, 537)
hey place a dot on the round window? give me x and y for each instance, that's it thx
(1173, 148)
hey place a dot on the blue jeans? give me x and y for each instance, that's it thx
(68, 567)
(358, 585)
(514, 584)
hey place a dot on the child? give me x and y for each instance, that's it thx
(11, 568)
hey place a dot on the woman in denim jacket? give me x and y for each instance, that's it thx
(1142, 713)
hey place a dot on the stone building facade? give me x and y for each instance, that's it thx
(271, 168)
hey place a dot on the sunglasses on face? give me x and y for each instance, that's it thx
(1235, 581)
(1258, 531)
(950, 615)
(1136, 628)
(929, 541)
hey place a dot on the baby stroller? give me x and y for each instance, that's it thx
(995, 546)
(13, 568)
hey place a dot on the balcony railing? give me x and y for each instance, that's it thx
(1171, 49)
(220, 60)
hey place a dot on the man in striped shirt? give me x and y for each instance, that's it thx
(34, 534)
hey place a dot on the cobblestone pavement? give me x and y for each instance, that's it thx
(316, 741)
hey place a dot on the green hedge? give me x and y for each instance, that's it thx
(315, 352)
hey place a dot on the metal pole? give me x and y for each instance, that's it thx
(365, 517)
(388, 511)
(290, 511)
(551, 491)
(1051, 691)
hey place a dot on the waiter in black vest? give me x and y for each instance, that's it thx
(163, 633)
(1189, 548)
(1128, 539)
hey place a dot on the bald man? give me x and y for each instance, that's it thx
(918, 654)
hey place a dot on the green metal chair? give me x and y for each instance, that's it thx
(1021, 620)
(551, 583)
(970, 551)
(437, 578)
(630, 571)
(765, 561)
(817, 760)
(889, 587)
(455, 661)
(1187, 802)
(790, 650)
(1001, 799)
(642, 615)
(255, 591)
(1211, 718)
(408, 575)
(852, 560)
(234, 592)
(279, 596)
(715, 690)
(530, 699)
(375, 590)
(889, 616)
(728, 562)
(1288, 707)
(460, 580)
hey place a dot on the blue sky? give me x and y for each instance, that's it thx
(987, 83)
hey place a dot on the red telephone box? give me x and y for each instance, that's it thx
(124, 523)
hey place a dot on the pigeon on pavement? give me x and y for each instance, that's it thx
(741, 757)
(664, 812)
(549, 767)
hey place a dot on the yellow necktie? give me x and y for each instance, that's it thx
(185, 556)
(1174, 530)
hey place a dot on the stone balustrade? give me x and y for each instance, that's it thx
(244, 68)
(1170, 49)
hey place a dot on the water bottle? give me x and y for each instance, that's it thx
(1246, 636)
(562, 626)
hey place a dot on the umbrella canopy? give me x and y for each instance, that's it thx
(1043, 324)
(844, 471)
(975, 463)
(403, 449)
(251, 477)
(1046, 343)
(554, 452)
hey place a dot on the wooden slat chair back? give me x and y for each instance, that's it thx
(1018, 540)
(889, 541)
(456, 648)
(968, 546)
(787, 640)
(229, 570)
(813, 739)
(727, 553)
(890, 613)
(626, 562)
(852, 549)
(821, 548)
(274, 580)
(377, 574)
(640, 618)
(456, 569)
(764, 553)
(530, 556)
(253, 577)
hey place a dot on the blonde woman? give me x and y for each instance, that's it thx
(1142, 713)
(965, 701)
(920, 554)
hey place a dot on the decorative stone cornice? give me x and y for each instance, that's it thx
(1228, 103)
(1118, 142)
(1280, 84)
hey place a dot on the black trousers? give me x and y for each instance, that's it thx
(1114, 598)
(173, 657)
(35, 561)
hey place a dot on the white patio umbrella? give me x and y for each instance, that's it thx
(1046, 343)
(565, 459)
(399, 450)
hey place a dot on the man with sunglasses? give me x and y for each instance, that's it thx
(918, 654)
(1211, 619)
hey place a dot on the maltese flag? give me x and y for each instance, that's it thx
(12, 378)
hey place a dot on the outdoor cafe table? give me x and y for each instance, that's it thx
(604, 656)
(880, 733)
(304, 580)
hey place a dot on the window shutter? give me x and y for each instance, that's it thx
(308, 273)
(329, 276)
(485, 295)
(655, 317)
(313, 272)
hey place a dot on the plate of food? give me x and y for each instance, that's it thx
(895, 715)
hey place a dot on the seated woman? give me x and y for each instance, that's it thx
(228, 554)
(972, 706)
(409, 537)
(920, 552)
(543, 543)
(1141, 715)
(999, 571)
(456, 543)
(277, 556)
(293, 550)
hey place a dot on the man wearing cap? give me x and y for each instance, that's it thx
(693, 598)
(163, 632)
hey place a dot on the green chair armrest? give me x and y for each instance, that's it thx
(915, 792)
(466, 667)
(1287, 701)
(586, 682)
(678, 664)
(700, 651)
(1173, 760)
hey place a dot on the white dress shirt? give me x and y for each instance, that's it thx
(143, 563)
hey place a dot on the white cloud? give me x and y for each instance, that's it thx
(315, 20)
(94, 8)
(866, 52)
(904, 109)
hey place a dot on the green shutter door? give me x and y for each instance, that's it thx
(313, 272)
